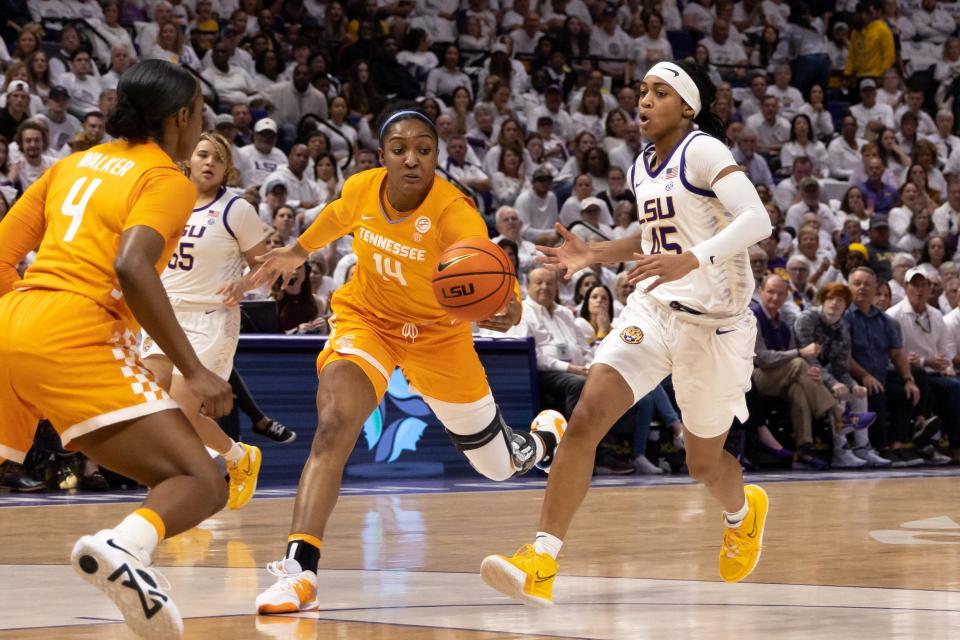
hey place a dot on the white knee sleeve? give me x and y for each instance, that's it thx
(493, 458)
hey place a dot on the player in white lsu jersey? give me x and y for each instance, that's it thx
(689, 317)
(204, 281)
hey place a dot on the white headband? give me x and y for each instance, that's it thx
(680, 80)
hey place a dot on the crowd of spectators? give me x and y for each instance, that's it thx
(844, 115)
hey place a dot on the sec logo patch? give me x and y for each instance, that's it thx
(632, 335)
(422, 224)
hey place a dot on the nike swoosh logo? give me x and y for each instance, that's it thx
(111, 543)
(544, 578)
(450, 263)
(675, 73)
(711, 259)
(753, 531)
(720, 333)
(366, 217)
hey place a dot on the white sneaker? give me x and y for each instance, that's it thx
(845, 459)
(871, 457)
(295, 589)
(120, 570)
(550, 425)
(644, 466)
(934, 457)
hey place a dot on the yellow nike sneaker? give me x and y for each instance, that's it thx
(742, 545)
(243, 477)
(527, 576)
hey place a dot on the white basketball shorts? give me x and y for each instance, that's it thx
(213, 334)
(711, 365)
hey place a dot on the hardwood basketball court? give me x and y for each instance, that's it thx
(861, 555)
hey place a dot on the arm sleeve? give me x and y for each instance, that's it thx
(164, 203)
(750, 224)
(21, 231)
(244, 224)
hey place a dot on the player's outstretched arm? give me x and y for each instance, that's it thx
(574, 253)
(140, 249)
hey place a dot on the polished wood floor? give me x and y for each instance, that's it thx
(865, 558)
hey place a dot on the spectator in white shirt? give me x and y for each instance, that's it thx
(302, 190)
(553, 107)
(589, 117)
(589, 227)
(469, 174)
(753, 101)
(294, 99)
(802, 143)
(260, 159)
(626, 154)
(112, 31)
(508, 225)
(773, 131)
(725, 50)
(538, 209)
(608, 40)
(810, 203)
(525, 38)
(697, 16)
(31, 140)
(649, 49)
(756, 167)
(121, 59)
(61, 126)
(443, 80)
(83, 87)
(946, 218)
(933, 23)
(787, 192)
(871, 115)
(231, 82)
(790, 97)
(563, 356)
(944, 138)
(239, 56)
(843, 152)
(913, 103)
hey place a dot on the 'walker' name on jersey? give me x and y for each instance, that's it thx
(108, 164)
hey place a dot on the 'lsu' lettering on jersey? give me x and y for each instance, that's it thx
(395, 258)
(210, 251)
(677, 210)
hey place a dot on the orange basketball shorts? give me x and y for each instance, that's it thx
(65, 358)
(438, 359)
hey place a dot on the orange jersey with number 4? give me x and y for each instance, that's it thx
(77, 212)
(395, 258)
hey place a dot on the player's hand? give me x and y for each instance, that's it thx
(276, 263)
(232, 292)
(571, 256)
(507, 317)
(215, 393)
(666, 267)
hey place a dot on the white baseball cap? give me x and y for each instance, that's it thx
(18, 85)
(265, 124)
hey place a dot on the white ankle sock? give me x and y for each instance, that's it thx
(733, 520)
(235, 453)
(546, 543)
(139, 531)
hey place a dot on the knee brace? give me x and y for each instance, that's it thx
(490, 445)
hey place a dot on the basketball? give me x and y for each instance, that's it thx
(474, 279)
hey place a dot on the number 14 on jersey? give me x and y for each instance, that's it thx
(654, 210)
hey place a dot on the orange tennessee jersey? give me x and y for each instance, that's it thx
(77, 212)
(395, 258)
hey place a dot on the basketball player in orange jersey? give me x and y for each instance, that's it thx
(106, 221)
(402, 218)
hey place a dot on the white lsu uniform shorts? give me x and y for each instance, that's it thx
(711, 363)
(213, 334)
